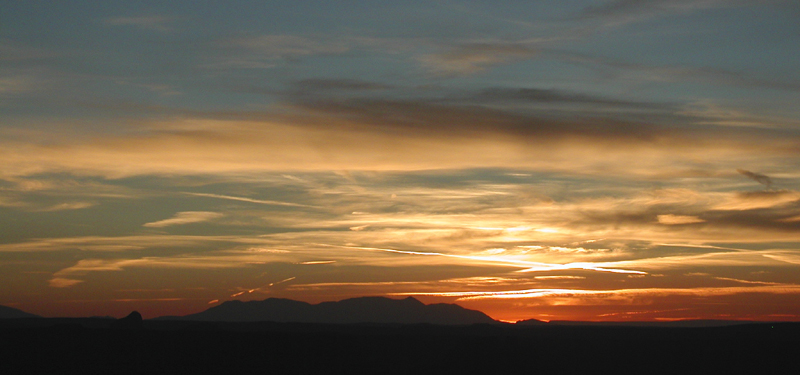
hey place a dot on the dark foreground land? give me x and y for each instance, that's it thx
(96, 346)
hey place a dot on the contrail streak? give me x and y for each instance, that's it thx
(530, 266)
(241, 199)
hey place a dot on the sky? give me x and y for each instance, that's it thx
(603, 160)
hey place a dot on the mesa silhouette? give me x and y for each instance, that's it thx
(349, 311)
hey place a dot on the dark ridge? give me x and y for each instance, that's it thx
(530, 322)
(676, 323)
(271, 309)
(132, 321)
(349, 311)
(12, 313)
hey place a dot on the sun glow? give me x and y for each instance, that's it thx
(294, 158)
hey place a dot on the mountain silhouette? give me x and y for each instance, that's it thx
(132, 321)
(348, 311)
(12, 313)
(531, 322)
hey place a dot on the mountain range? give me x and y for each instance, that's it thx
(354, 310)
(378, 310)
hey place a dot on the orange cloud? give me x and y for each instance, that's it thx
(187, 217)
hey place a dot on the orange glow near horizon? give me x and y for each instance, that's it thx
(526, 160)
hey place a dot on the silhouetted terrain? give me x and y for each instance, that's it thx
(133, 346)
(132, 321)
(354, 310)
(675, 323)
(67, 345)
(12, 313)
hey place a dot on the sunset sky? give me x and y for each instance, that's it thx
(581, 160)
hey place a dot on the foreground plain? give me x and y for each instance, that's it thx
(95, 346)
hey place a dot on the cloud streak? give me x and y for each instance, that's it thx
(621, 12)
(150, 23)
(251, 200)
(578, 293)
(757, 177)
(183, 218)
(476, 57)
(527, 266)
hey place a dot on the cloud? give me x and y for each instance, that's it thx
(60, 282)
(670, 219)
(114, 243)
(791, 219)
(534, 95)
(760, 178)
(768, 220)
(645, 292)
(65, 277)
(323, 84)
(251, 200)
(287, 46)
(559, 277)
(182, 218)
(625, 6)
(267, 51)
(68, 206)
(475, 57)
(715, 114)
(527, 266)
(13, 51)
(752, 200)
(789, 257)
(432, 119)
(20, 84)
(157, 88)
(614, 69)
(621, 12)
(149, 23)
(479, 129)
(313, 262)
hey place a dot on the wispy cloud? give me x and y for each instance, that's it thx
(267, 51)
(186, 217)
(116, 243)
(670, 219)
(379, 133)
(15, 51)
(66, 277)
(752, 200)
(578, 293)
(287, 46)
(757, 177)
(618, 69)
(507, 95)
(620, 12)
(251, 200)
(476, 57)
(322, 84)
(60, 282)
(20, 84)
(312, 262)
(528, 266)
(150, 23)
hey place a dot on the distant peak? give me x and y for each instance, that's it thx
(10, 312)
(134, 315)
(133, 320)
